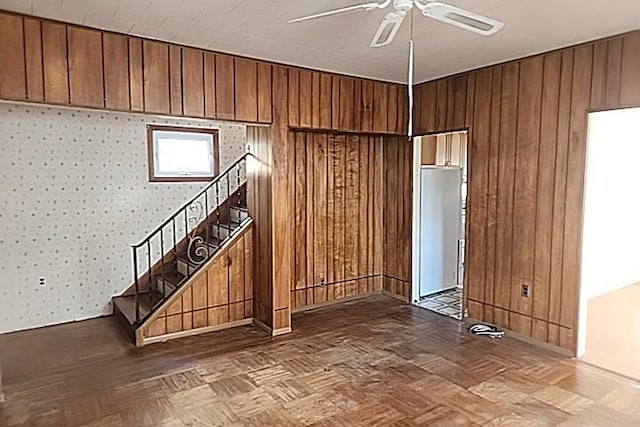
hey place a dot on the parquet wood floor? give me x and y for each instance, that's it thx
(374, 361)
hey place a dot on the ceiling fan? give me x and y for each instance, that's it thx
(393, 20)
(433, 9)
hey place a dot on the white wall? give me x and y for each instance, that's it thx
(611, 233)
(74, 196)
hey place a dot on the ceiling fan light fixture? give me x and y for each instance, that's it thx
(388, 29)
(461, 18)
(471, 22)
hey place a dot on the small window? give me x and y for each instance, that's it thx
(179, 154)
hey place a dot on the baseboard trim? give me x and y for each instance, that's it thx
(198, 331)
(281, 331)
(268, 329)
(396, 296)
(262, 326)
(333, 302)
(553, 348)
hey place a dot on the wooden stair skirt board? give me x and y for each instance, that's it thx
(218, 296)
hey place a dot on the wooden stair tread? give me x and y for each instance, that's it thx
(126, 305)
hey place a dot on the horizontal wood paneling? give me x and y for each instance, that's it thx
(334, 216)
(222, 292)
(527, 124)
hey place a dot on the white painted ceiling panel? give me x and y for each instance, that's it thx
(340, 43)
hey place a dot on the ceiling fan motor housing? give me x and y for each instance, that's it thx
(402, 5)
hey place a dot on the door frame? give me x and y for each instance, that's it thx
(415, 216)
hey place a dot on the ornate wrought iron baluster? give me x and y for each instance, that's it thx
(175, 246)
(238, 183)
(217, 213)
(136, 297)
(150, 274)
(162, 258)
(186, 234)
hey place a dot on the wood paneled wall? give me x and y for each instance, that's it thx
(63, 64)
(337, 248)
(398, 204)
(321, 101)
(527, 123)
(57, 63)
(259, 201)
(221, 293)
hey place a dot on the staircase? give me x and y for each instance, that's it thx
(168, 259)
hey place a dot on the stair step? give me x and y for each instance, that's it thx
(168, 282)
(125, 304)
(238, 214)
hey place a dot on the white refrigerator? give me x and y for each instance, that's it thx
(440, 228)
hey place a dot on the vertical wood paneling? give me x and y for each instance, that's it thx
(54, 56)
(136, 85)
(12, 58)
(333, 216)
(115, 49)
(380, 107)
(222, 292)
(305, 100)
(367, 105)
(580, 98)
(339, 213)
(560, 187)
(352, 196)
(525, 186)
(225, 87)
(599, 75)
(209, 84)
(293, 96)
(478, 172)
(504, 229)
(335, 102)
(346, 103)
(629, 75)
(175, 80)
(357, 104)
(459, 102)
(392, 108)
(246, 90)
(193, 81)
(320, 204)
(528, 158)
(156, 77)
(545, 192)
(441, 98)
(325, 101)
(614, 62)
(33, 59)
(492, 198)
(264, 92)
(86, 85)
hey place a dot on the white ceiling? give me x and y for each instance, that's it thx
(259, 28)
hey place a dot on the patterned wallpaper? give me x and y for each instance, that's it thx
(74, 197)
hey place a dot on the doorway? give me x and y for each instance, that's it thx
(609, 326)
(439, 222)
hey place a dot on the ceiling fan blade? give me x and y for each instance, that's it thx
(460, 18)
(364, 6)
(388, 29)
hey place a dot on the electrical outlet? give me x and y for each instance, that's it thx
(42, 281)
(322, 281)
(524, 290)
